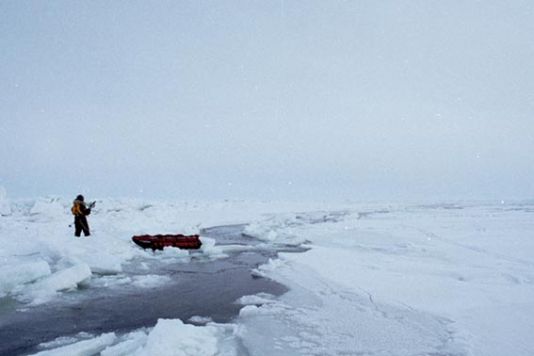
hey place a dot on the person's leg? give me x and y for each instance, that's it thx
(77, 227)
(85, 226)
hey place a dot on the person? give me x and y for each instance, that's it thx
(80, 211)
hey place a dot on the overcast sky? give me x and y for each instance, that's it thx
(267, 99)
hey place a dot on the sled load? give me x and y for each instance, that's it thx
(158, 242)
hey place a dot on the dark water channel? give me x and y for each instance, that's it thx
(200, 287)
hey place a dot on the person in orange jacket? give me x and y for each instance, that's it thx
(80, 210)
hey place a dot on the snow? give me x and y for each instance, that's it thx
(46, 288)
(82, 348)
(197, 319)
(5, 206)
(47, 208)
(167, 337)
(382, 279)
(173, 337)
(19, 271)
(127, 345)
(65, 340)
(449, 280)
(150, 281)
(171, 254)
(258, 299)
(36, 240)
(321, 318)
(210, 249)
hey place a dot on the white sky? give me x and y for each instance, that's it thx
(268, 99)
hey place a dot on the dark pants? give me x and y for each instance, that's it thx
(80, 224)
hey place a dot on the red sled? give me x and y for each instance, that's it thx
(158, 242)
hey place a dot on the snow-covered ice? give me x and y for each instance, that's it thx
(380, 279)
(435, 279)
(37, 240)
(5, 206)
(89, 347)
(150, 281)
(46, 288)
(15, 272)
(258, 299)
(172, 337)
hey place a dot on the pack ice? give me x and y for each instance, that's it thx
(375, 279)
